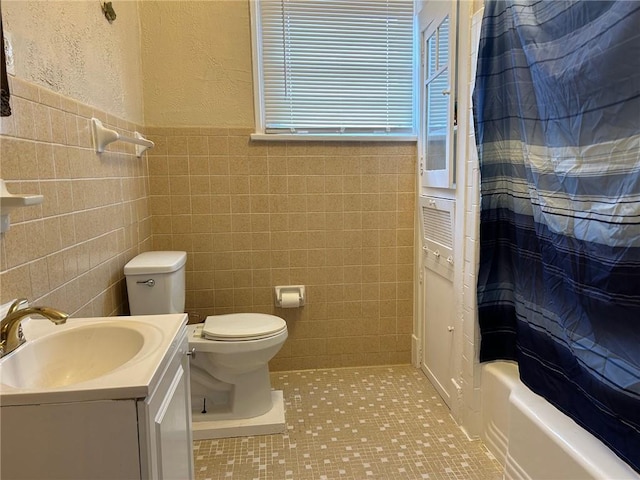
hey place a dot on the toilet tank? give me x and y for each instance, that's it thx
(155, 283)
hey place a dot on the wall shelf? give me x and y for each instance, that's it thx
(9, 201)
(103, 136)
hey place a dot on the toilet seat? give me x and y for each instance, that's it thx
(236, 327)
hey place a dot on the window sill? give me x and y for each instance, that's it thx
(333, 137)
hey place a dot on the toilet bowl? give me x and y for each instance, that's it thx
(230, 353)
(229, 364)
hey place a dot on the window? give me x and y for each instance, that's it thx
(336, 68)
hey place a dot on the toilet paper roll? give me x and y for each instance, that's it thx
(290, 300)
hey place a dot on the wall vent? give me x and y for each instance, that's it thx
(437, 221)
(437, 226)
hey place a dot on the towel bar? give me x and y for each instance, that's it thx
(103, 136)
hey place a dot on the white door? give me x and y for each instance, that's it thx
(436, 215)
(173, 438)
(437, 25)
(165, 416)
(437, 348)
(437, 118)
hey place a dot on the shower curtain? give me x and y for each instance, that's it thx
(557, 117)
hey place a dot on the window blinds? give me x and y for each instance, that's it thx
(337, 66)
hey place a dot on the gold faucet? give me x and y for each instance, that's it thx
(11, 336)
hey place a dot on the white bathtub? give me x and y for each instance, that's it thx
(534, 440)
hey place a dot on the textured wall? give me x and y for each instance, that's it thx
(337, 217)
(71, 65)
(70, 48)
(196, 58)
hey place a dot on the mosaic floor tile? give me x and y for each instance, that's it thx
(353, 424)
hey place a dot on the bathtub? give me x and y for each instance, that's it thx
(534, 440)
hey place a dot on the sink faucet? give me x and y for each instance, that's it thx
(11, 336)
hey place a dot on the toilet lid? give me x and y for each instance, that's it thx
(242, 326)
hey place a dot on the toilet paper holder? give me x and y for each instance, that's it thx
(289, 296)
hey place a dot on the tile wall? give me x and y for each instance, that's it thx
(69, 251)
(336, 217)
(471, 369)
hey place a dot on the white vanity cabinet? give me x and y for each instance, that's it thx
(166, 442)
(106, 438)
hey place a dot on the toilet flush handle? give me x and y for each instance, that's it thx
(149, 283)
(192, 353)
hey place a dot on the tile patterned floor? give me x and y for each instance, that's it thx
(353, 423)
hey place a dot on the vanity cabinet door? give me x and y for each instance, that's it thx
(166, 439)
(172, 438)
(94, 440)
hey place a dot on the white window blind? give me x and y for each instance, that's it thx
(337, 66)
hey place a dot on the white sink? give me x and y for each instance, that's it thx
(72, 356)
(87, 359)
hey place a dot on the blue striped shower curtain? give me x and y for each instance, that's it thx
(557, 117)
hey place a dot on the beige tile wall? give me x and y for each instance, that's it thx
(69, 251)
(336, 217)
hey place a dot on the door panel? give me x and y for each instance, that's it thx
(436, 221)
(437, 119)
(173, 439)
(438, 342)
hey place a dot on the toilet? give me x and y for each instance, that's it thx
(230, 353)
(233, 351)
